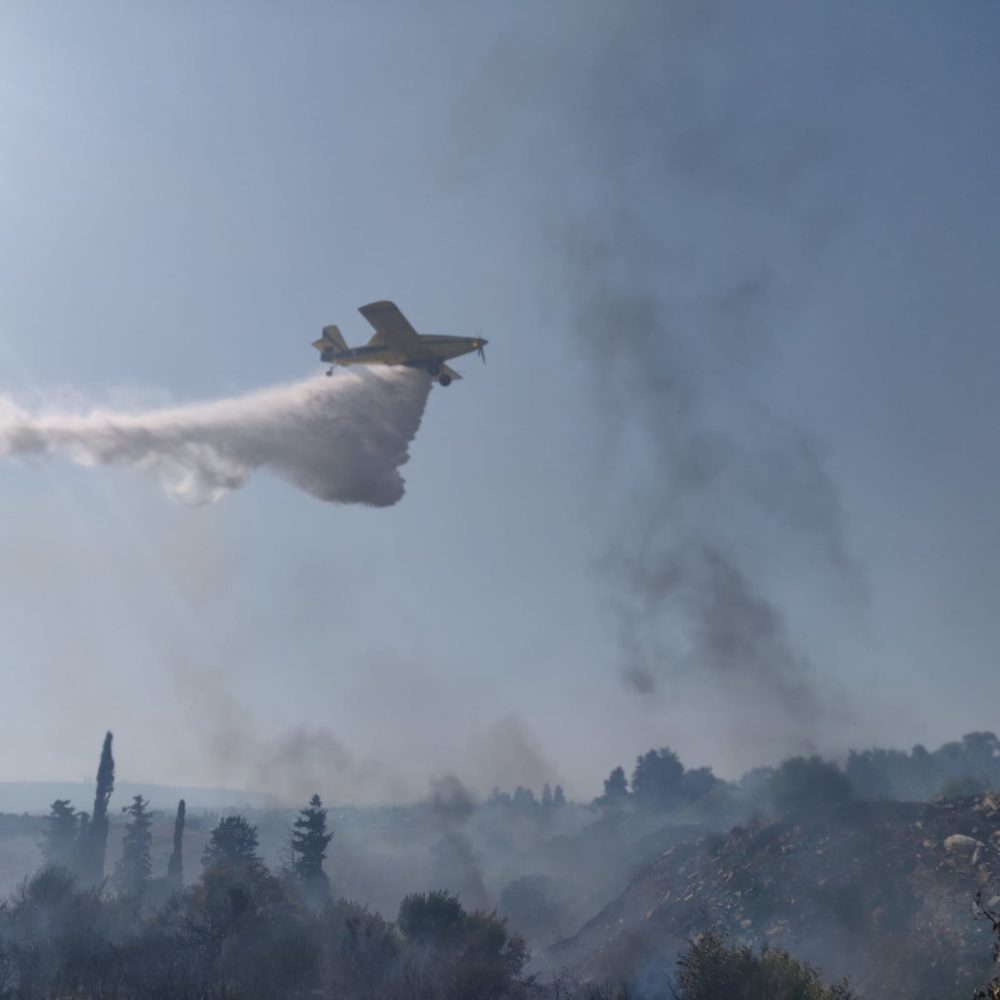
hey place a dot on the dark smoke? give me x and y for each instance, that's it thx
(714, 476)
(689, 226)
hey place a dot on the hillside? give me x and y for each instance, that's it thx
(879, 892)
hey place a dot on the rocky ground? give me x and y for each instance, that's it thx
(882, 893)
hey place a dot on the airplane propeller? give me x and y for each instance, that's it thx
(481, 353)
(480, 344)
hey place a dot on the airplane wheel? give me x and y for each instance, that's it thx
(329, 373)
(445, 380)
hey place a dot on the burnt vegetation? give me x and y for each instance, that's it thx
(806, 880)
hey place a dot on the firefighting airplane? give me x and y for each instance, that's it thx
(397, 343)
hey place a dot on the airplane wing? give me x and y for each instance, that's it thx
(393, 330)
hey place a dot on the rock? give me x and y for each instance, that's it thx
(959, 843)
(988, 804)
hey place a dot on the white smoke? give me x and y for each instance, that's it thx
(340, 439)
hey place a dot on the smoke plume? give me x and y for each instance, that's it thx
(339, 439)
(684, 245)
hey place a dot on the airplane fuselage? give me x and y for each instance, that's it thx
(441, 348)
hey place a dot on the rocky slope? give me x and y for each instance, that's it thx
(879, 892)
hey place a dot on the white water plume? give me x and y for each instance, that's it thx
(340, 439)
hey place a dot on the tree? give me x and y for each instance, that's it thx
(59, 846)
(360, 952)
(498, 797)
(558, 797)
(615, 789)
(524, 799)
(712, 970)
(546, 797)
(54, 934)
(246, 925)
(175, 864)
(232, 843)
(656, 780)
(134, 868)
(431, 918)
(463, 954)
(95, 842)
(991, 991)
(309, 843)
(807, 782)
(697, 783)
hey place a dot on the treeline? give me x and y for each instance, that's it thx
(969, 766)
(75, 843)
(660, 783)
(235, 928)
(238, 930)
(523, 799)
(241, 931)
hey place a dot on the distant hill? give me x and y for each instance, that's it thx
(37, 796)
(879, 892)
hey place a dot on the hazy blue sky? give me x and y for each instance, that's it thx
(739, 267)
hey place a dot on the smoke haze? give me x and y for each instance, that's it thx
(736, 264)
(341, 440)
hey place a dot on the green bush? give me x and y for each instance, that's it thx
(712, 970)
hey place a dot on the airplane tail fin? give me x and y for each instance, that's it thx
(335, 338)
(332, 339)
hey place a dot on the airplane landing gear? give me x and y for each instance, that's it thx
(445, 380)
(329, 372)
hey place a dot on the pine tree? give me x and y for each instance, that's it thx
(558, 797)
(615, 788)
(135, 867)
(656, 780)
(524, 799)
(94, 844)
(232, 843)
(60, 845)
(309, 844)
(546, 797)
(175, 866)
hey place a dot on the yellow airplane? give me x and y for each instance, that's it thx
(397, 343)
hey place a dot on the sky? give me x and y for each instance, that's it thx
(727, 483)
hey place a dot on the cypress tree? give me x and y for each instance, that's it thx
(175, 866)
(95, 842)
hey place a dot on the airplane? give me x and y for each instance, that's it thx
(396, 343)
